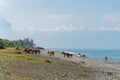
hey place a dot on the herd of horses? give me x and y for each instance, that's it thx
(29, 50)
(32, 50)
(49, 52)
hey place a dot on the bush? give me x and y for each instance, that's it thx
(1, 45)
(48, 61)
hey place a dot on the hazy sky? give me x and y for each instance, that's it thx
(62, 23)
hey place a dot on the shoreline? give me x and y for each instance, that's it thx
(60, 67)
(87, 52)
(107, 66)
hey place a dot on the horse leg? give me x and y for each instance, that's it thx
(68, 56)
(53, 54)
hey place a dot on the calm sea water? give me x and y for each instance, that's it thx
(112, 54)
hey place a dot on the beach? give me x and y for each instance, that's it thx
(59, 40)
(102, 65)
(19, 65)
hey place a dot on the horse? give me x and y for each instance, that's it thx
(82, 55)
(17, 48)
(28, 50)
(67, 54)
(36, 51)
(63, 53)
(32, 50)
(51, 53)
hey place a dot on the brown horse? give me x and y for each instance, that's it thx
(17, 48)
(67, 54)
(32, 50)
(28, 50)
(36, 51)
(51, 53)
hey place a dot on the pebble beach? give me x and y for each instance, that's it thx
(102, 65)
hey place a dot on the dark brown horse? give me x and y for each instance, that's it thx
(36, 51)
(51, 53)
(67, 54)
(28, 50)
(32, 50)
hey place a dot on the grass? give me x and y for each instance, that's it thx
(6, 54)
(21, 57)
(19, 78)
(13, 77)
(8, 59)
(9, 50)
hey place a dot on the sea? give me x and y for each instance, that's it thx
(112, 54)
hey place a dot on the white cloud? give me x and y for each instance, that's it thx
(105, 29)
(4, 4)
(58, 16)
(1, 3)
(69, 28)
(62, 28)
(47, 29)
(111, 17)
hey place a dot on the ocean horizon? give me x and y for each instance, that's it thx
(112, 54)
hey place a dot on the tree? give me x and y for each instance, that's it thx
(1, 44)
(23, 43)
(7, 43)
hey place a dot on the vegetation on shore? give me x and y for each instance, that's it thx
(23, 43)
(9, 54)
(1, 44)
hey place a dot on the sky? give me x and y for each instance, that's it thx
(81, 24)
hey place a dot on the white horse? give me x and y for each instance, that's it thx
(82, 55)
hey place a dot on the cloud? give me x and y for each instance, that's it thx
(58, 16)
(62, 28)
(2, 2)
(111, 17)
(5, 28)
(105, 29)
(51, 26)
(47, 29)
(4, 24)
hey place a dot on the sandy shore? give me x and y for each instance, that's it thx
(18, 65)
(106, 66)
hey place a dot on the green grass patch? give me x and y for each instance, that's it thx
(22, 57)
(19, 78)
(7, 54)
(9, 50)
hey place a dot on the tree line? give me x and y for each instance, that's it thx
(27, 42)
